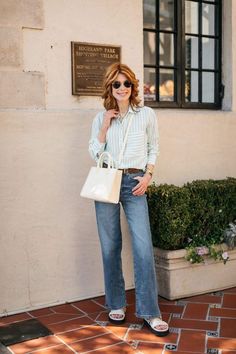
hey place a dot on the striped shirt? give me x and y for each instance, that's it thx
(142, 146)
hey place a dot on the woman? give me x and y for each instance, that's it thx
(121, 102)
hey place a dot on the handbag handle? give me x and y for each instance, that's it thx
(110, 163)
(125, 141)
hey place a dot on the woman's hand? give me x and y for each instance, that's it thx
(141, 187)
(107, 118)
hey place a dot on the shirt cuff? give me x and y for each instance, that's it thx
(98, 147)
(151, 159)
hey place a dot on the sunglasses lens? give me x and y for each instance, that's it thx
(127, 84)
(117, 84)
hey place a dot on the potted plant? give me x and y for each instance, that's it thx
(193, 234)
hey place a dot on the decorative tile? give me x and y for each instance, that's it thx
(218, 293)
(135, 326)
(212, 334)
(176, 315)
(171, 347)
(102, 323)
(182, 303)
(215, 305)
(213, 318)
(134, 343)
(212, 351)
(174, 330)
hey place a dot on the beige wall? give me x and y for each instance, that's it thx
(48, 240)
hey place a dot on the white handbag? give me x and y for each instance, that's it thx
(103, 184)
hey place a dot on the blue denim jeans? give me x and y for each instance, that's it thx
(109, 230)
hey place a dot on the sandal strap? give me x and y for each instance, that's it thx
(156, 322)
(117, 312)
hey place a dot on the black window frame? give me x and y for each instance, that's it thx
(179, 58)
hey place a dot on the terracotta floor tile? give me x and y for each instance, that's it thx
(228, 352)
(70, 325)
(67, 309)
(192, 341)
(221, 343)
(57, 318)
(118, 330)
(228, 328)
(222, 312)
(15, 318)
(99, 316)
(232, 290)
(60, 349)
(122, 348)
(82, 333)
(150, 348)
(34, 344)
(193, 324)
(99, 342)
(171, 308)
(41, 312)
(196, 311)
(100, 300)
(144, 335)
(88, 306)
(208, 299)
(229, 300)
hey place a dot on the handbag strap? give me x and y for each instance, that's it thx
(125, 140)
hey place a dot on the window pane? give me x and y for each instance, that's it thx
(191, 50)
(191, 86)
(149, 13)
(208, 53)
(191, 17)
(208, 19)
(149, 48)
(166, 49)
(166, 11)
(149, 84)
(208, 87)
(166, 88)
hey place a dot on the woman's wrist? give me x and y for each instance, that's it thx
(149, 171)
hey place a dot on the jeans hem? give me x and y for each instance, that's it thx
(147, 317)
(115, 307)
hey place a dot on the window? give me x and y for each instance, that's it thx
(182, 53)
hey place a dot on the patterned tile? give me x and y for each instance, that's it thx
(198, 324)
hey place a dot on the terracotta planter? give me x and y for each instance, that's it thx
(178, 278)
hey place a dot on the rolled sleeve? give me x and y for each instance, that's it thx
(95, 147)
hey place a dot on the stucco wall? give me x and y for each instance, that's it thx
(48, 240)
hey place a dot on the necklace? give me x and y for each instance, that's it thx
(121, 116)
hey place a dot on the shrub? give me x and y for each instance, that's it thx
(169, 215)
(196, 213)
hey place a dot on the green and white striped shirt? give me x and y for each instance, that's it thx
(142, 146)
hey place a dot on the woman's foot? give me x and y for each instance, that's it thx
(157, 326)
(117, 316)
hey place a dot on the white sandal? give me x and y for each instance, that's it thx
(152, 323)
(117, 316)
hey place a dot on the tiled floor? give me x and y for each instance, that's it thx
(201, 324)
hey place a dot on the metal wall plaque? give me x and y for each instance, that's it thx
(89, 63)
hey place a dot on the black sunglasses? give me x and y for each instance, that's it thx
(117, 84)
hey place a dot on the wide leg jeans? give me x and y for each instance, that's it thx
(109, 230)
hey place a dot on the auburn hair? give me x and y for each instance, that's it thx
(110, 76)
